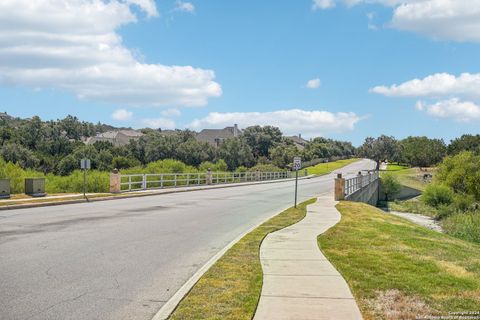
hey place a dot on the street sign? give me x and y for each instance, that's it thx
(85, 164)
(297, 163)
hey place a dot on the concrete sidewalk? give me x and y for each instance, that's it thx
(299, 282)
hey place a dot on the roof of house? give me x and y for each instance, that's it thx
(114, 134)
(298, 141)
(212, 135)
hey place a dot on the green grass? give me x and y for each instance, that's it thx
(396, 167)
(398, 270)
(412, 206)
(231, 288)
(410, 177)
(464, 226)
(324, 168)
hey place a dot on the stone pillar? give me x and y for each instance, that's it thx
(115, 181)
(257, 175)
(339, 188)
(209, 177)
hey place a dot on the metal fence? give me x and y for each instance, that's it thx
(352, 185)
(132, 182)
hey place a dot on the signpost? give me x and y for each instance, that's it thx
(297, 165)
(85, 165)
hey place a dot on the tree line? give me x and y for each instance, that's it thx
(416, 151)
(57, 147)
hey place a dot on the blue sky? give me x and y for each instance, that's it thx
(248, 62)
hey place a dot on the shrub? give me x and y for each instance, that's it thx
(17, 175)
(436, 195)
(390, 186)
(444, 211)
(464, 202)
(465, 226)
(265, 168)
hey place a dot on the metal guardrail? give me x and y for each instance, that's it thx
(352, 185)
(133, 182)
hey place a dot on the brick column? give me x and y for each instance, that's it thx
(339, 188)
(115, 182)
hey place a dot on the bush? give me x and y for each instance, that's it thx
(219, 166)
(436, 195)
(17, 175)
(390, 186)
(464, 202)
(265, 168)
(97, 181)
(444, 212)
(465, 226)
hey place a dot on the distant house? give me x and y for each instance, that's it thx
(5, 116)
(298, 141)
(216, 136)
(117, 138)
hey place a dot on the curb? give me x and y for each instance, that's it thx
(169, 307)
(138, 195)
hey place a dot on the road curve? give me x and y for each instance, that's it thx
(124, 259)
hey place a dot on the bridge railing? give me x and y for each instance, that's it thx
(347, 187)
(135, 182)
(354, 184)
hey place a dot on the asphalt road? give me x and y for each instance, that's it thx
(124, 259)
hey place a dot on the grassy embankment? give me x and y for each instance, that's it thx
(324, 168)
(410, 177)
(230, 289)
(398, 270)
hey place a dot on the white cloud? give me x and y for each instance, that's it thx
(184, 6)
(146, 5)
(162, 123)
(122, 115)
(313, 84)
(440, 84)
(73, 45)
(171, 113)
(461, 111)
(323, 4)
(293, 121)
(457, 20)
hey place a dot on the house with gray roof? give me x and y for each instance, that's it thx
(216, 136)
(298, 141)
(118, 138)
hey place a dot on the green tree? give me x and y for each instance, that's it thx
(390, 186)
(235, 152)
(461, 173)
(467, 142)
(282, 155)
(20, 155)
(379, 149)
(261, 139)
(422, 151)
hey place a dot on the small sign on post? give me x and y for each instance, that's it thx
(297, 165)
(85, 165)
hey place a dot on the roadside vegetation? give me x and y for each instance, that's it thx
(324, 168)
(453, 198)
(398, 270)
(231, 288)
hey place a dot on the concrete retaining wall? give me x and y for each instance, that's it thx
(368, 194)
(404, 194)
